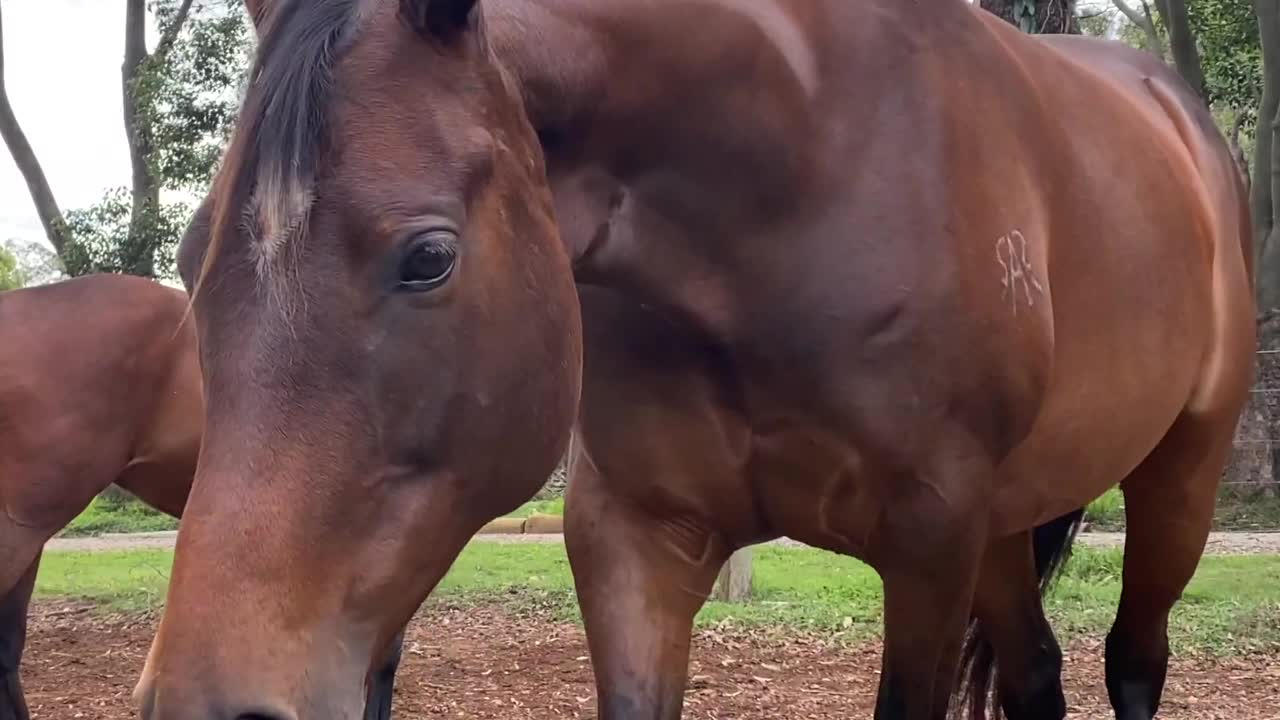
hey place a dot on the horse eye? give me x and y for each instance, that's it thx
(429, 263)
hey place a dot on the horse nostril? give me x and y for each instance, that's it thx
(260, 716)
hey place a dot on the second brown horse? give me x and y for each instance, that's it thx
(886, 277)
(99, 383)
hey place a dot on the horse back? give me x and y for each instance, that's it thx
(89, 371)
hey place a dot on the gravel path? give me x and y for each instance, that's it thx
(1228, 543)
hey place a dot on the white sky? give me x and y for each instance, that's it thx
(62, 70)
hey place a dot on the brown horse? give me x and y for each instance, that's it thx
(391, 348)
(892, 280)
(99, 383)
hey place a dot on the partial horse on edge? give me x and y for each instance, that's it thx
(902, 284)
(99, 383)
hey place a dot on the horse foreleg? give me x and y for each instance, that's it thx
(641, 576)
(928, 551)
(1010, 617)
(382, 682)
(1169, 504)
(13, 637)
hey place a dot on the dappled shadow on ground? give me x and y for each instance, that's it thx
(490, 663)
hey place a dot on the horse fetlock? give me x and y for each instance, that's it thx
(1042, 698)
(663, 702)
(13, 705)
(1135, 675)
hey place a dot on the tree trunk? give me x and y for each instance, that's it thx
(1182, 43)
(1237, 152)
(25, 158)
(735, 579)
(1037, 16)
(1263, 204)
(145, 189)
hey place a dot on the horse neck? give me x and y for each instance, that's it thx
(714, 93)
(632, 86)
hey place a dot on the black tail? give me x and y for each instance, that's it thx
(1052, 542)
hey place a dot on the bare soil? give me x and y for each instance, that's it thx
(489, 663)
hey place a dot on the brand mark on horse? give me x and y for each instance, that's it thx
(1017, 273)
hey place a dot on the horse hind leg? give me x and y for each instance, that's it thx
(14, 604)
(1169, 505)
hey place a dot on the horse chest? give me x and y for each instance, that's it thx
(815, 488)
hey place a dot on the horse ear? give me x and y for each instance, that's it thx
(257, 10)
(440, 19)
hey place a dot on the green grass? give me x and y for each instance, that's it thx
(554, 506)
(1259, 513)
(118, 580)
(131, 516)
(1232, 605)
(1233, 513)
(114, 516)
(1107, 512)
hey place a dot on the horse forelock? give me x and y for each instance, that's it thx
(265, 188)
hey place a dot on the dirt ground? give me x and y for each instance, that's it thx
(487, 663)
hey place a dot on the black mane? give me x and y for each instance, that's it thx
(282, 129)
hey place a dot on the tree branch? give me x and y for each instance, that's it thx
(1134, 16)
(171, 34)
(25, 158)
(1142, 20)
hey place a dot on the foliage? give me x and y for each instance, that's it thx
(1227, 34)
(190, 95)
(10, 273)
(1106, 21)
(37, 262)
(105, 239)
